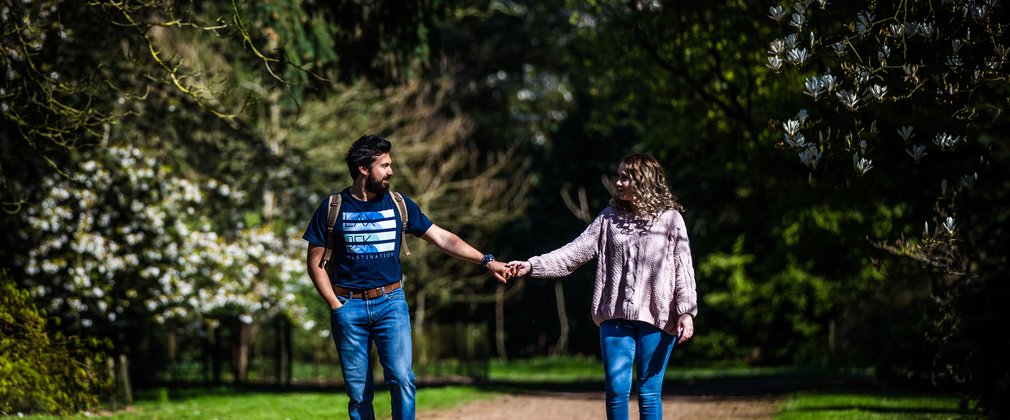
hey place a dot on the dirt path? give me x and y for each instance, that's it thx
(589, 405)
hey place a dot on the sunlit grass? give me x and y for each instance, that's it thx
(863, 405)
(227, 402)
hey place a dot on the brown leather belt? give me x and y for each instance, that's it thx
(366, 294)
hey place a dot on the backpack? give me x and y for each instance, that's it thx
(331, 219)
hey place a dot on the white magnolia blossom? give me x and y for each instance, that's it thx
(917, 152)
(906, 133)
(828, 82)
(948, 225)
(849, 99)
(777, 13)
(798, 56)
(813, 87)
(810, 156)
(791, 126)
(878, 91)
(946, 141)
(797, 21)
(774, 63)
(861, 164)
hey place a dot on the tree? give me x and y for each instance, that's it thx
(912, 94)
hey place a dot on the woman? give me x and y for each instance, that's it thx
(644, 299)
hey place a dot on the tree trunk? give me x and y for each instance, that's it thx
(499, 327)
(421, 339)
(559, 294)
(240, 352)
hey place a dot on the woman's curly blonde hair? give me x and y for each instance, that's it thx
(650, 193)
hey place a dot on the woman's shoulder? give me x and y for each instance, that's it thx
(672, 216)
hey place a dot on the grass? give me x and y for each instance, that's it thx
(230, 403)
(583, 368)
(871, 405)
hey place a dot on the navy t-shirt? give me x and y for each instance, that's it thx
(366, 239)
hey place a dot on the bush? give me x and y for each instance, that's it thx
(40, 372)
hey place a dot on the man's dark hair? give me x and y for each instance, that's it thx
(364, 151)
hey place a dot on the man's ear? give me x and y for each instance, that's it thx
(363, 170)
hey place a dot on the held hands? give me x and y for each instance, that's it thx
(502, 272)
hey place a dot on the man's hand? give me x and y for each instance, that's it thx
(685, 328)
(519, 268)
(499, 271)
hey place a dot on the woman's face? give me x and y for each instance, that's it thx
(624, 183)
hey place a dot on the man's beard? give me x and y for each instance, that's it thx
(376, 187)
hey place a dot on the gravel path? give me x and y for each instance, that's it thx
(589, 405)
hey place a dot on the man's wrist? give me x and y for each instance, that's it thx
(486, 260)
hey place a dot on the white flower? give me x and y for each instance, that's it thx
(839, 48)
(810, 156)
(790, 41)
(813, 87)
(797, 56)
(948, 225)
(849, 99)
(774, 63)
(878, 91)
(796, 141)
(828, 81)
(861, 165)
(777, 47)
(911, 71)
(777, 13)
(797, 21)
(791, 127)
(906, 133)
(946, 142)
(883, 55)
(917, 152)
(802, 116)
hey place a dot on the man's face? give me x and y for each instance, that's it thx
(379, 174)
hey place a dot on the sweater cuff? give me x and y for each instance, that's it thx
(536, 267)
(687, 308)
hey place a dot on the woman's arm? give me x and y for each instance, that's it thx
(563, 261)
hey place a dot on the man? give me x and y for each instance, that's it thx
(362, 283)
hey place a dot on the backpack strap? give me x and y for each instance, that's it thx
(401, 206)
(331, 219)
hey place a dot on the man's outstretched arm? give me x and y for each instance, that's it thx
(457, 248)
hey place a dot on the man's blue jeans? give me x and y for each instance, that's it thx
(634, 343)
(386, 322)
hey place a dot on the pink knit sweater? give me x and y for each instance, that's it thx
(644, 272)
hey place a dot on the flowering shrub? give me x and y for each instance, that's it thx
(124, 236)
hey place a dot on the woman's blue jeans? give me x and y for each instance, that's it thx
(625, 344)
(386, 322)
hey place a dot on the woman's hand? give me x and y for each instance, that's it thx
(519, 268)
(685, 328)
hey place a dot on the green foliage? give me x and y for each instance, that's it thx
(40, 372)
